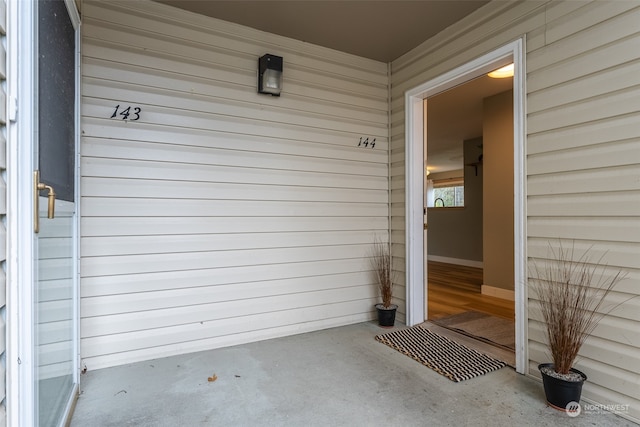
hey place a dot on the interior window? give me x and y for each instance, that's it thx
(447, 193)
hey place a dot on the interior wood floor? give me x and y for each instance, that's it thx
(455, 289)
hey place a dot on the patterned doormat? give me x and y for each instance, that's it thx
(446, 357)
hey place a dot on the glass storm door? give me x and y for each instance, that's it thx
(55, 312)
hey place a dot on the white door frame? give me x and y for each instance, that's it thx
(20, 248)
(21, 136)
(414, 178)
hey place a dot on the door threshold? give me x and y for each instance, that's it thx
(509, 357)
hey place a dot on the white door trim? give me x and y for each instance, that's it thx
(414, 161)
(21, 87)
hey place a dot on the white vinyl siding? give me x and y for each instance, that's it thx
(222, 216)
(3, 213)
(583, 85)
(582, 162)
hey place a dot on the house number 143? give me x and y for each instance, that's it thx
(129, 113)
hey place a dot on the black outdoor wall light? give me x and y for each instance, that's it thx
(270, 75)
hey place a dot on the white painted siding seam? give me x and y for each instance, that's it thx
(3, 211)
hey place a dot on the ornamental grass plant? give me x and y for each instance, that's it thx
(572, 290)
(380, 259)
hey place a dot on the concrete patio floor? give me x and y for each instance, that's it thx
(335, 377)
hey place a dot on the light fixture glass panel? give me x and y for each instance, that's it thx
(504, 72)
(272, 81)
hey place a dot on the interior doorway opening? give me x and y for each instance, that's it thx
(470, 213)
(417, 211)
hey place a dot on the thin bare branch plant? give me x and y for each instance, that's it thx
(572, 292)
(380, 259)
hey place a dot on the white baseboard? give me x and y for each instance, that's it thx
(456, 261)
(498, 292)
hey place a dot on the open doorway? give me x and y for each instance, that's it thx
(471, 217)
(417, 213)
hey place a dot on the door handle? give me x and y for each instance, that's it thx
(51, 196)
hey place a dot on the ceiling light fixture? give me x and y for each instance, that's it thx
(270, 75)
(501, 73)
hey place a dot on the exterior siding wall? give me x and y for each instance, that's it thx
(583, 64)
(3, 212)
(222, 216)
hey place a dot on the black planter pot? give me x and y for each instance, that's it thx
(386, 316)
(560, 392)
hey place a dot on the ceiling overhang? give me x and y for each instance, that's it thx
(379, 30)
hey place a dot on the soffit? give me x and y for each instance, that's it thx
(379, 30)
